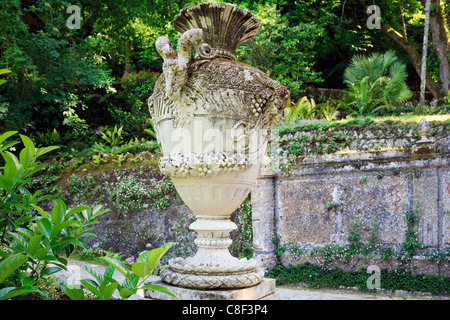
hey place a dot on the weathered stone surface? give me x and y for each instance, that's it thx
(303, 213)
(322, 195)
(316, 210)
(425, 195)
(263, 207)
(379, 199)
(445, 191)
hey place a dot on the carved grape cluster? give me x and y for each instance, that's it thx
(258, 103)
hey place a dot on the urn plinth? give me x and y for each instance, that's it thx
(213, 118)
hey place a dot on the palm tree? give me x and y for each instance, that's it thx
(375, 82)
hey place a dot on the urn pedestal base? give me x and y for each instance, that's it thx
(213, 266)
(212, 281)
(265, 290)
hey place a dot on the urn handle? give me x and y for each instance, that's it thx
(175, 66)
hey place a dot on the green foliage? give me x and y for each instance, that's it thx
(283, 48)
(90, 254)
(354, 237)
(3, 71)
(15, 199)
(8, 265)
(358, 134)
(47, 138)
(104, 286)
(305, 109)
(113, 138)
(397, 279)
(375, 83)
(328, 111)
(411, 244)
(34, 238)
(129, 108)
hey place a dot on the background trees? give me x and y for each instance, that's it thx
(77, 80)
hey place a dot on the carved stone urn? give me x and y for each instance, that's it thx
(213, 117)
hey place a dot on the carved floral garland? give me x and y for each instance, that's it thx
(201, 164)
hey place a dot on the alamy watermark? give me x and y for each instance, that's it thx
(374, 20)
(374, 280)
(74, 21)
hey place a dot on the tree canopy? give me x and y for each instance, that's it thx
(62, 77)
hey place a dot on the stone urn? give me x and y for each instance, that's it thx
(213, 118)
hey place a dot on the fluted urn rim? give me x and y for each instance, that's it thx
(224, 25)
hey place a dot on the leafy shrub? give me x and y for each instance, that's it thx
(305, 109)
(113, 138)
(129, 109)
(33, 239)
(397, 279)
(103, 286)
(375, 83)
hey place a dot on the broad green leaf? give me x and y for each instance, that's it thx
(45, 227)
(153, 287)
(28, 144)
(109, 290)
(119, 266)
(140, 269)
(3, 71)
(33, 244)
(6, 135)
(26, 157)
(41, 212)
(41, 253)
(64, 242)
(20, 240)
(131, 282)
(11, 292)
(58, 211)
(74, 293)
(82, 243)
(62, 260)
(88, 234)
(51, 270)
(8, 145)
(125, 293)
(12, 164)
(27, 281)
(42, 151)
(76, 210)
(98, 211)
(91, 285)
(50, 257)
(6, 183)
(155, 255)
(92, 271)
(8, 265)
(109, 273)
(25, 232)
(60, 226)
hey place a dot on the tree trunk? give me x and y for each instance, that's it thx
(432, 86)
(87, 25)
(441, 45)
(128, 58)
(423, 72)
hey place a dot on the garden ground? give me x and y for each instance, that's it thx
(287, 292)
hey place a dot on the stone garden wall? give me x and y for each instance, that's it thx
(316, 204)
